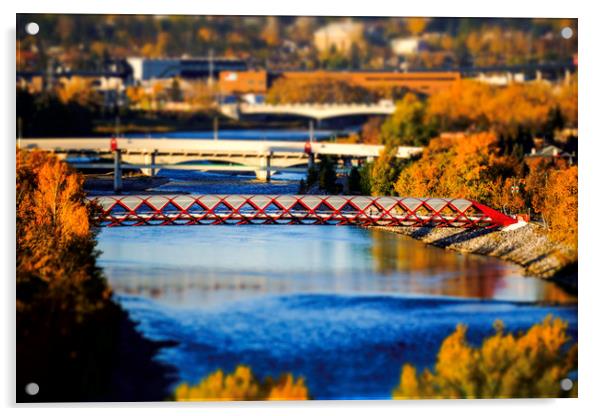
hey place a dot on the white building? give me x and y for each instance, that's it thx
(501, 78)
(407, 46)
(341, 35)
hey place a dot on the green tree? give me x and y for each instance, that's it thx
(365, 172)
(327, 176)
(355, 56)
(355, 181)
(384, 172)
(407, 126)
(175, 92)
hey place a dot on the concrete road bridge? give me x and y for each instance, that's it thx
(139, 210)
(262, 157)
(312, 111)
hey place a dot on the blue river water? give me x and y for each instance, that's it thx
(343, 307)
(249, 134)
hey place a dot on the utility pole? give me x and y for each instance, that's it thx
(117, 121)
(210, 80)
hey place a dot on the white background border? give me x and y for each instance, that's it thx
(590, 157)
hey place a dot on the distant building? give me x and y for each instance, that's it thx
(500, 78)
(408, 46)
(145, 69)
(340, 35)
(243, 82)
(553, 153)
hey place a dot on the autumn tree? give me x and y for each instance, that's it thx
(510, 197)
(519, 106)
(504, 366)
(370, 133)
(559, 206)
(77, 90)
(319, 90)
(271, 31)
(416, 25)
(138, 97)
(242, 384)
(507, 110)
(55, 244)
(158, 48)
(458, 166)
(67, 325)
(460, 107)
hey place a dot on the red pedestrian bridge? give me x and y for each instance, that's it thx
(136, 210)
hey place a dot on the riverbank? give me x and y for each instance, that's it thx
(528, 247)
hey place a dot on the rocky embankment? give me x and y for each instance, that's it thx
(528, 246)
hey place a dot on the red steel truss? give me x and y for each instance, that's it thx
(295, 209)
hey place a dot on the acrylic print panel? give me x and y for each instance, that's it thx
(206, 210)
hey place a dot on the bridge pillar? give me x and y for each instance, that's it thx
(264, 173)
(117, 172)
(150, 159)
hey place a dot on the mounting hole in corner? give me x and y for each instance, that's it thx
(32, 28)
(32, 389)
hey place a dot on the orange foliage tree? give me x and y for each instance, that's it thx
(458, 166)
(67, 325)
(559, 205)
(242, 385)
(504, 366)
(56, 256)
(474, 105)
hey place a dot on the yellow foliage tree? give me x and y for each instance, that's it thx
(242, 385)
(416, 25)
(319, 90)
(157, 49)
(504, 366)
(560, 205)
(78, 90)
(137, 96)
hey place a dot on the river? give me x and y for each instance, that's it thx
(343, 307)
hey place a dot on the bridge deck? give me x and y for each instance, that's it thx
(210, 148)
(136, 210)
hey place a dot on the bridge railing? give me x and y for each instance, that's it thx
(136, 210)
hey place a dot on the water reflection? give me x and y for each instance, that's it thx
(209, 266)
(458, 275)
